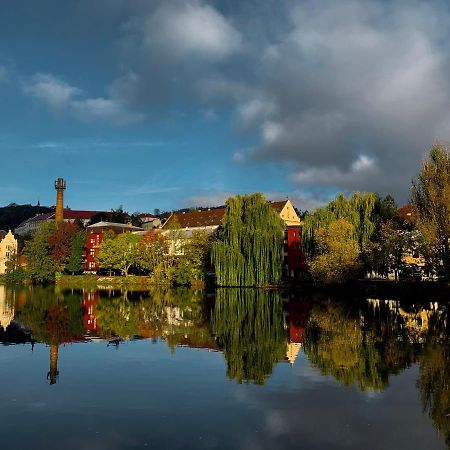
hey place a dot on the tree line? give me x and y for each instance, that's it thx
(348, 238)
(364, 234)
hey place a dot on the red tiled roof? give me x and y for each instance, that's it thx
(406, 213)
(208, 218)
(191, 219)
(74, 214)
(278, 206)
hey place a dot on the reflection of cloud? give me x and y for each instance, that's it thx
(276, 424)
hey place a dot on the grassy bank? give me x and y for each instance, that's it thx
(105, 282)
(131, 282)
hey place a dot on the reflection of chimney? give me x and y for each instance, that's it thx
(60, 186)
(53, 373)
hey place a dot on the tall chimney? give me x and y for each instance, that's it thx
(60, 186)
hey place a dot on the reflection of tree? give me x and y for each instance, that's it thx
(249, 325)
(352, 348)
(178, 315)
(54, 319)
(434, 380)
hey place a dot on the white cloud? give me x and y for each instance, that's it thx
(109, 110)
(360, 171)
(211, 199)
(3, 73)
(190, 29)
(54, 92)
(61, 96)
(239, 157)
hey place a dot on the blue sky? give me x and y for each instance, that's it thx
(167, 104)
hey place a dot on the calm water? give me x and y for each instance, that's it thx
(237, 369)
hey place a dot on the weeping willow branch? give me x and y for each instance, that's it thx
(248, 249)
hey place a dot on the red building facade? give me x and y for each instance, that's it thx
(95, 234)
(294, 259)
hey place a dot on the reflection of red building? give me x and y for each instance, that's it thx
(95, 234)
(89, 301)
(298, 319)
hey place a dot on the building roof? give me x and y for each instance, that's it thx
(113, 225)
(208, 217)
(148, 216)
(278, 205)
(69, 214)
(406, 212)
(201, 218)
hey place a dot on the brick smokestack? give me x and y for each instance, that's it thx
(60, 186)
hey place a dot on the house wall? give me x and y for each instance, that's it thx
(8, 248)
(93, 241)
(289, 215)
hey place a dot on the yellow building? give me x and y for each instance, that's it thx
(8, 248)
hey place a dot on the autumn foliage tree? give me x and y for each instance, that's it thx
(60, 241)
(337, 253)
(431, 202)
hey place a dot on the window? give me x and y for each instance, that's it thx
(92, 252)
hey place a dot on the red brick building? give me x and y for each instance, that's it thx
(95, 234)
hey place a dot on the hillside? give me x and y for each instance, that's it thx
(12, 215)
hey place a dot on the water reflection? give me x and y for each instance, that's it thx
(362, 343)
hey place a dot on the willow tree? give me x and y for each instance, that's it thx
(431, 202)
(249, 244)
(359, 210)
(249, 327)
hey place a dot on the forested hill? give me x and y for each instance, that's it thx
(12, 215)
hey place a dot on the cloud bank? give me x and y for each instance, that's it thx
(347, 95)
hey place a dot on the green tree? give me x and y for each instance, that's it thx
(337, 253)
(360, 210)
(120, 252)
(248, 247)
(431, 202)
(153, 255)
(75, 264)
(40, 266)
(119, 215)
(136, 220)
(388, 208)
(193, 265)
(384, 253)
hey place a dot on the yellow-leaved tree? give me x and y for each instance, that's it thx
(337, 253)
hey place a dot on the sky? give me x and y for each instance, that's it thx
(175, 103)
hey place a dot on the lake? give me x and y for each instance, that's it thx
(231, 369)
